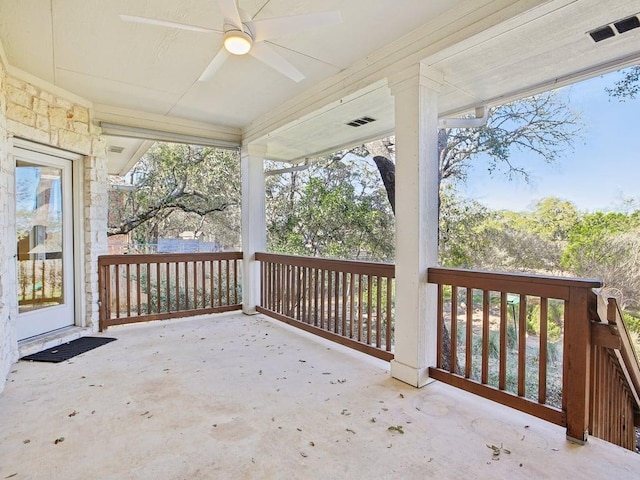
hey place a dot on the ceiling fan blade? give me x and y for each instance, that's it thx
(230, 12)
(282, 26)
(273, 59)
(164, 23)
(214, 66)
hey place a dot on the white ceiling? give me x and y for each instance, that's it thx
(146, 75)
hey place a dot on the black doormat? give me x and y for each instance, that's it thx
(68, 350)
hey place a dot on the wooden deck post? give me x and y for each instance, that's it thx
(577, 365)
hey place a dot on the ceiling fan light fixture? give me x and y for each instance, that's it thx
(237, 42)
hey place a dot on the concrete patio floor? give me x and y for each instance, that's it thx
(233, 397)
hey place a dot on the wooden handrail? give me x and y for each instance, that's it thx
(526, 284)
(348, 266)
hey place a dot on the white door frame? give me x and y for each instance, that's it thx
(30, 151)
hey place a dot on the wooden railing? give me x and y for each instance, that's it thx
(138, 288)
(615, 377)
(349, 302)
(520, 340)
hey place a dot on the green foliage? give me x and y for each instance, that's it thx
(554, 218)
(555, 319)
(462, 225)
(180, 187)
(632, 322)
(338, 208)
(589, 239)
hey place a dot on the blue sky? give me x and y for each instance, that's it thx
(602, 169)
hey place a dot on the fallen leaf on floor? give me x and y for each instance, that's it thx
(58, 440)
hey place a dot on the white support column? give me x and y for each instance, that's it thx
(416, 121)
(254, 234)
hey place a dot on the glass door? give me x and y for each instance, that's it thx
(44, 227)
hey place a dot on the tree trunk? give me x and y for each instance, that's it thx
(387, 171)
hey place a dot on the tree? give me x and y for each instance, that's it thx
(336, 208)
(180, 187)
(554, 218)
(628, 87)
(542, 125)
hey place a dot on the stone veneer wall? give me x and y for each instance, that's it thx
(33, 113)
(8, 284)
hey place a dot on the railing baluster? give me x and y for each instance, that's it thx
(542, 369)
(177, 286)
(117, 279)
(469, 337)
(378, 312)
(167, 274)
(485, 336)
(336, 320)
(389, 336)
(128, 288)
(453, 332)
(369, 309)
(138, 289)
(228, 283)
(440, 327)
(322, 295)
(360, 332)
(186, 285)
(522, 345)
(502, 372)
(314, 272)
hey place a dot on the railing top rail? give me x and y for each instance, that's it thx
(527, 284)
(135, 258)
(349, 266)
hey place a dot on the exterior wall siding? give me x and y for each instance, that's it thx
(33, 113)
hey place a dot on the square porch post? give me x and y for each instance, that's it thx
(254, 234)
(415, 92)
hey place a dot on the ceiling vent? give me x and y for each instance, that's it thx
(114, 149)
(620, 26)
(358, 122)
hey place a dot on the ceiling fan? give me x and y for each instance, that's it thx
(249, 37)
